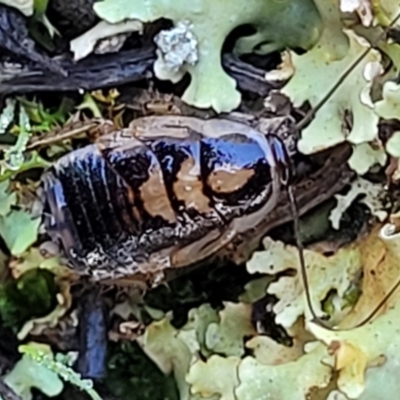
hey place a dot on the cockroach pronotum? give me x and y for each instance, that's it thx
(167, 192)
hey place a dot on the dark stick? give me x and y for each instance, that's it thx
(15, 40)
(110, 70)
(93, 330)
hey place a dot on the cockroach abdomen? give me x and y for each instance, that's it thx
(87, 203)
(58, 218)
(138, 166)
(167, 190)
(180, 160)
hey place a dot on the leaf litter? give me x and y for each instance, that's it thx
(217, 351)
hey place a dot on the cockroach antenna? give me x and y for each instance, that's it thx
(286, 181)
(303, 272)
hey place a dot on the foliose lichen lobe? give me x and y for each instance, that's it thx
(200, 30)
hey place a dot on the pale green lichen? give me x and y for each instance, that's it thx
(226, 336)
(361, 362)
(39, 368)
(365, 156)
(309, 83)
(389, 106)
(278, 23)
(7, 115)
(14, 156)
(348, 109)
(278, 258)
(28, 374)
(372, 196)
(202, 377)
(393, 145)
(170, 351)
(25, 6)
(17, 227)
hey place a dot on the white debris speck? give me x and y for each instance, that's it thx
(7, 115)
(104, 38)
(178, 46)
(93, 258)
(363, 8)
(112, 44)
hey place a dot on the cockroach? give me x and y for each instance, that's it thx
(164, 193)
(168, 192)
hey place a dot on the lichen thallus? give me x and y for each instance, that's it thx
(287, 182)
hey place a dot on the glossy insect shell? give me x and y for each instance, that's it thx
(164, 193)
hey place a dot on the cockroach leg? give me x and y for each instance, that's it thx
(203, 248)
